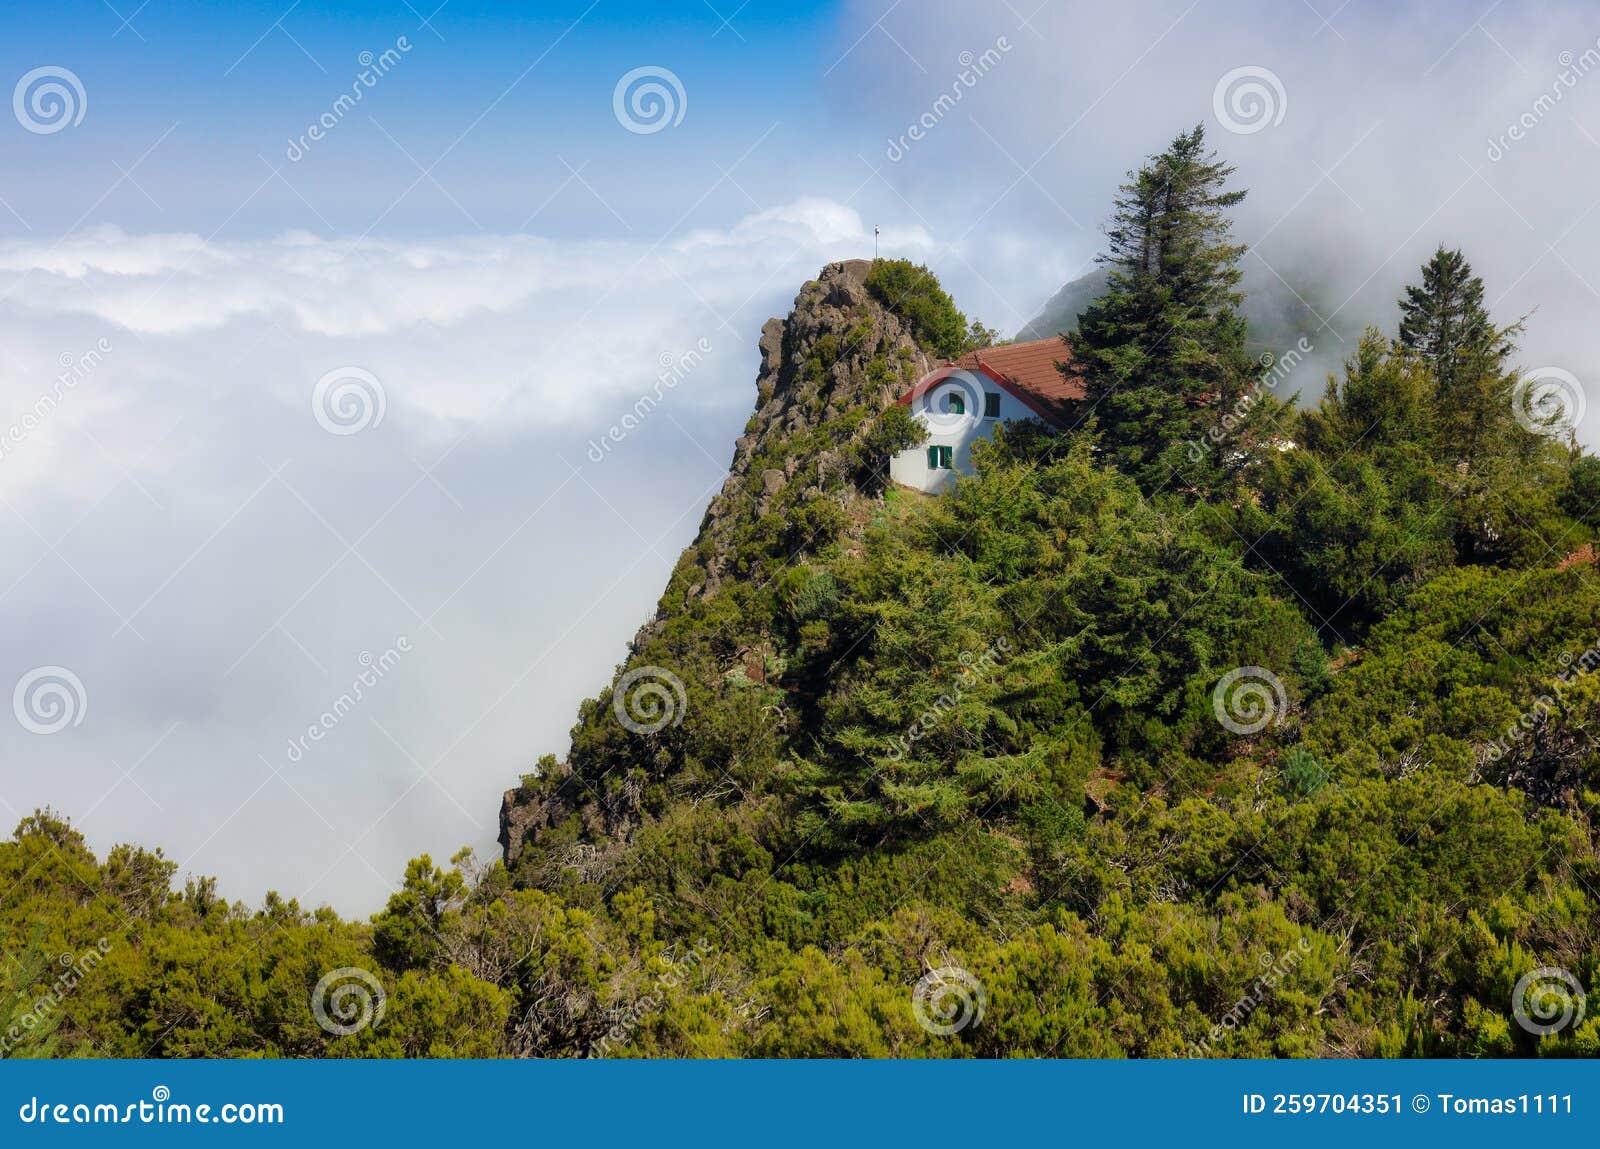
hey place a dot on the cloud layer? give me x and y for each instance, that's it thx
(221, 551)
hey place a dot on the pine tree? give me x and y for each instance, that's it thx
(1443, 321)
(1163, 351)
(1386, 399)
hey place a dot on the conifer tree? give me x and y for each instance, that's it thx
(1163, 351)
(1443, 320)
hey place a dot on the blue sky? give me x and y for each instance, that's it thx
(484, 254)
(505, 92)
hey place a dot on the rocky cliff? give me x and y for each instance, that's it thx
(802, 471)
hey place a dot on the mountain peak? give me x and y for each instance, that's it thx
(800, 472)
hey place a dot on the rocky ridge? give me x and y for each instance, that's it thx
(839, 358)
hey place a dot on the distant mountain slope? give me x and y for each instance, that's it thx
(1280, 315)
(1060, 312)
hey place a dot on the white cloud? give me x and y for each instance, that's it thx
(177, 284)
(188, 539)
(529, 330)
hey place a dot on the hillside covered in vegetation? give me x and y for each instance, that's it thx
(1215, 726)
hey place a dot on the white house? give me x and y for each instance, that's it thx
(962, 402)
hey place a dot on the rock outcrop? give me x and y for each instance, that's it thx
(815, 365)
(840, 355)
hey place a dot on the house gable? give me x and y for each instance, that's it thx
(1029, 372)
(961, 402)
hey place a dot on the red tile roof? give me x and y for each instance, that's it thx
(1028, 371)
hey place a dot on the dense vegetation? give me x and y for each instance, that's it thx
(994, 732)
(916, 296)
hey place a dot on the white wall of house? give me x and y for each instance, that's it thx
(958, 432)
